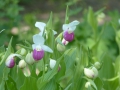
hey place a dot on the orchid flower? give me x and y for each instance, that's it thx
(39, 47)
(69, 30)
(91, 73)
(42, 26)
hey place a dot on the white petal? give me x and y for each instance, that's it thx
(89, 73)
(54, 32)
(72, 28)
(65, 26)
(41, 26)
(34, 46)
(46, 48)
(37, 39)
(74, 23)
(52, 63)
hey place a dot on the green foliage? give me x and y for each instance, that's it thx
(94, 42)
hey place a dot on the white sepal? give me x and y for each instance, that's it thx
(41, 26)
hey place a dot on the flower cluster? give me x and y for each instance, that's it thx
(39, 47)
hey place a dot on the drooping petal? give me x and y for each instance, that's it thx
(54, 32)
(46, 48)
(41, 26)
(37, 39)
(65, 27)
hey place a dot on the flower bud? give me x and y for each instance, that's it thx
(64, 41)
(95, 72)
(53, 63)
(89, 73)
(22, 64)
(87, 84)
(10, 63)
(100, 18)
(38, 54)
(23, 51)
(97, 65)
(60, 47)
(29, 59)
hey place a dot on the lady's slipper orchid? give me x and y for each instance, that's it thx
(42, 26)
(39, 47)
(69, 30)
(89, 73)
(10, 62)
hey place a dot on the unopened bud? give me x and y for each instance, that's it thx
(97, 65)
(29, 59)
(22, 64)
(23, 51)
(53, 63)
(60, 47)
(87, 84)
(10, 61)
(89, 73)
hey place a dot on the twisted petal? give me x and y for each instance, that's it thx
(41, 26)
(74, 23)
(54, 32)
(37, 39)
(46, 48)
(65, 27)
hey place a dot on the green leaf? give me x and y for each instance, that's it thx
(92, 19)
(51, 85)
(2, 49)
(69, 58)
(98, 83)
(20, 79)
(26, 47)
(8, 52)
(11, 84)
(67, 16)
(49, 75)
(49, 23)
(30, 83)
(2, 85)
